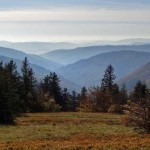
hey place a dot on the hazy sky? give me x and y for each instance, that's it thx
(74, 20)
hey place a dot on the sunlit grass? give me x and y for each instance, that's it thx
(71, 131)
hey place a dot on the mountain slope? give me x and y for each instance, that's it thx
(34, 59)
(90, 71)
(74, 55)
(142, 74)
(41, 72)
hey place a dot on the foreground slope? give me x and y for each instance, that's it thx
(74, 55)
(90, 71)
(142, 74)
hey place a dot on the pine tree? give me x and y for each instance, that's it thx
(29, 82)
(115, 93)
(83, 94)
(74, 97)
(123, 95)
(108, 79)
(51, 86)
(140, 91)
(9, 92)
(66, 99)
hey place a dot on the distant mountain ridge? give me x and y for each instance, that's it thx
(34, 59)
(41, 72)
(141, 74)
(71, 56)
(86, 64)
(89, 72)
(37, 69)
(37, 47)
(44, 47)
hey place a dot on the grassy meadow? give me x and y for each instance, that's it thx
(75, 131)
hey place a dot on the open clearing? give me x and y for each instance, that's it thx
(65, 131)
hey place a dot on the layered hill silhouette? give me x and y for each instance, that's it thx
(34, 59)
(38, 64)
(89, 72)
(37, 47)
(141, 74)
(71, 56)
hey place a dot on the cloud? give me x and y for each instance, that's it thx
(70, 31)
(63, 20)
(39, 4)
(76, 15)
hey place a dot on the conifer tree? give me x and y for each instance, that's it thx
(52, 87)
(74, 97)
(9, 92)
(140, 91)
(108, 79)
(29, 81)
(83, 94)
(66, 99)
(123, 95)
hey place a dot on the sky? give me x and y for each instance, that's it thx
(74, 20)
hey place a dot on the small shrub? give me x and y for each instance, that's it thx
(116, 108)
(138, 115)
(51, 106)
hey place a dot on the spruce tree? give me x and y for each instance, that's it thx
(51, 85)
(140, 91)
(9, 92)
(74, 97)
(66, 99)
(29, 86)
(108, 79)
(123, 94)
(83, 94)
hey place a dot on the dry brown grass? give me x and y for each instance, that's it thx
(67, 131)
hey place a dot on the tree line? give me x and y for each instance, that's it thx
(21, 92)
(109, 97)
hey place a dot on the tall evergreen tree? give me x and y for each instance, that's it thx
(9, 92)
(115, 93)
(29, 81)
(140, 91)
(66, 99)
(74, 97)
(108, 79)
(83, 94)
(52, 87)
(123, 95)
